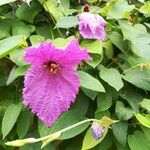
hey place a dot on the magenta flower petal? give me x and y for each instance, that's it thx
(92, 26)
(74, 54)
(51, 84)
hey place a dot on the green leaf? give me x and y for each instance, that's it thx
(119, 10)
(67, 22)
(146, 104)
(145, 9)
(138, 77)
(10, 44)
(133, 96)
(16, 72)
(67, 119)
(143, 120)
(146, 132)
(112, 77)
(21, 71)
(89, 82)
(5, 28)
(17, 57)
(106, 143)
(89, 141)
(138, 141)
(118, 41)
(2, 2)
(96, 59)
(94, 47)
(61, 42)
(108, 49)
(36, 39)
(24, 10)
(89, 93)
(20, 28)
(139, 38)
(12, 75)
(10, 118)
(124, 113)
(120, 132)
(104, 101)
(44, 30)
(23, 123)
(51, 6)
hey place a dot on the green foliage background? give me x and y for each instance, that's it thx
(116, 83)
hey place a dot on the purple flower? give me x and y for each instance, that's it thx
(97, 130)
(51, 84)
(92, 26)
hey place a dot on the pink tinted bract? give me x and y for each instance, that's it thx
(51, 84)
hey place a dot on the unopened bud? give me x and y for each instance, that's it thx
(97, 130)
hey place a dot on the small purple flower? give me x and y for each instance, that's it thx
(97, 130)
(51, 84)
(92, 26)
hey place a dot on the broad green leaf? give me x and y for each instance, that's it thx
(139, 77)
(89, 82)
(51, 6)
(21, 71)
(104, 101)
(94, 47)
(146, 132)
(61, 42)
(145, 8)
(89, 93)
(124, 113)
(5, 28)
(96, 59)
(120, 131)
(146, 104)
(118, 41)
(139, 38)
(100, 114)
(24, 10)
(44, 30)
(108, 49)
(133, 96)
(2, 2)
(67, 22)
(12, 75)
(23, 123)
(67, 119)
(36, 39)
(138, 141)
(135, 60)
(16, 72)
(143, 120)
(89, 141)
(112, 77)
(119, 10)
(10, 44)
(106, 143)
(17, 57)
(10, 118)
(20, 28)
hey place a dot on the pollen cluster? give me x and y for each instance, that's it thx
(52, 67)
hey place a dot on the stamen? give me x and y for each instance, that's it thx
(52, 67)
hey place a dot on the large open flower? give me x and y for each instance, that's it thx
(51, 84)
(92, 26)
